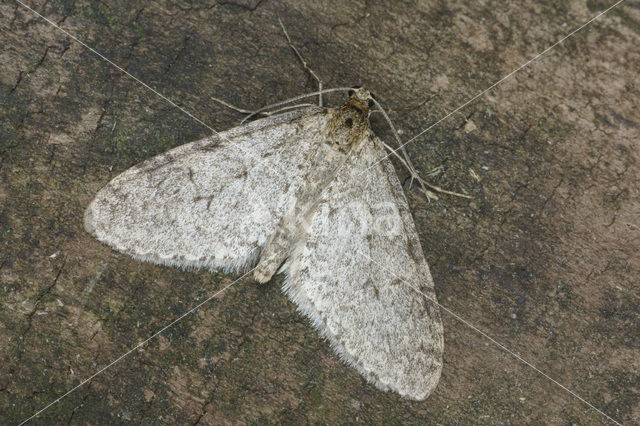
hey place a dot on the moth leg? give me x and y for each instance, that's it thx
(304, 63)
(275, 252)
(406, 161)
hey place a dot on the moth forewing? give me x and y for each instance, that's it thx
(309, 193)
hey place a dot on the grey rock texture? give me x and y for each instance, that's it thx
(544, 258)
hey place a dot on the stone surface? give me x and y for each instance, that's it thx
(544, 258)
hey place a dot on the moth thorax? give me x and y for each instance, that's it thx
(348, 125)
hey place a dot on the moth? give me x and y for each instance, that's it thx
(310, 194)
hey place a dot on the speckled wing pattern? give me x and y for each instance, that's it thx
(308, 193)
(210, 203)
(356, 276)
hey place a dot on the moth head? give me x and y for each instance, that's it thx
(363, 96)
(349, 124)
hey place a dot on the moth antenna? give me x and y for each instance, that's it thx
(287, 108)
(231, 106)
(266, 113)
(296, 98)
(304, 63)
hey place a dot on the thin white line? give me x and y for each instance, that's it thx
(496, 83)
(68, 34)
(120, 68)
(144, 342)
(450, 312)
(391, 153)
(500, 345)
